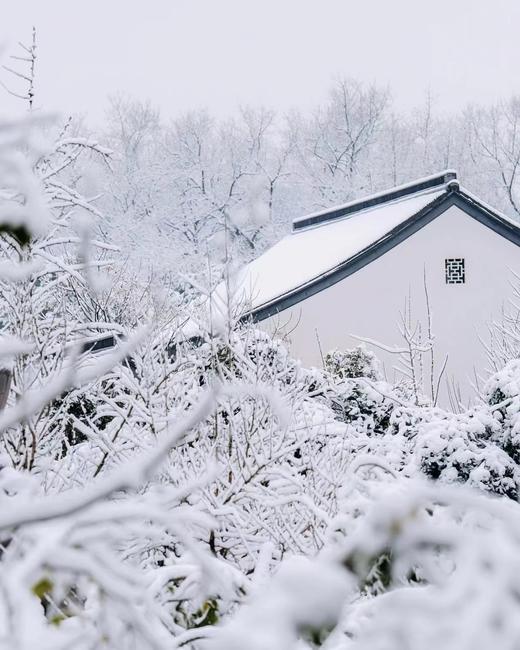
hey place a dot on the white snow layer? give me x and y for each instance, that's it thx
(308, 254)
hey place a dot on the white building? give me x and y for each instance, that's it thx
(358, 270)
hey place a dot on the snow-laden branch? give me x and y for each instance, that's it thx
(129, 477)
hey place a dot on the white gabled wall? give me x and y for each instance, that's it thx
(369, 302)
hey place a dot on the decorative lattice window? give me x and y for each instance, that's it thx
(455, 270)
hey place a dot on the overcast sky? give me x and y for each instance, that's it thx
(185, 54)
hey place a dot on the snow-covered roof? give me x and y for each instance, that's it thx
(324, 242)
(321, 241)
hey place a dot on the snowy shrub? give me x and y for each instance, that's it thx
(444, 549)
(365, 405)
(356, 391)
(352, 364)
(457, 448)
(271, 444)
(502, 394)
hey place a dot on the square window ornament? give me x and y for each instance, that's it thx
(455, 270)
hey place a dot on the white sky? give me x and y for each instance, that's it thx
(185, 54)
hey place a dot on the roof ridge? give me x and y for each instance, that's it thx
(418, 186)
